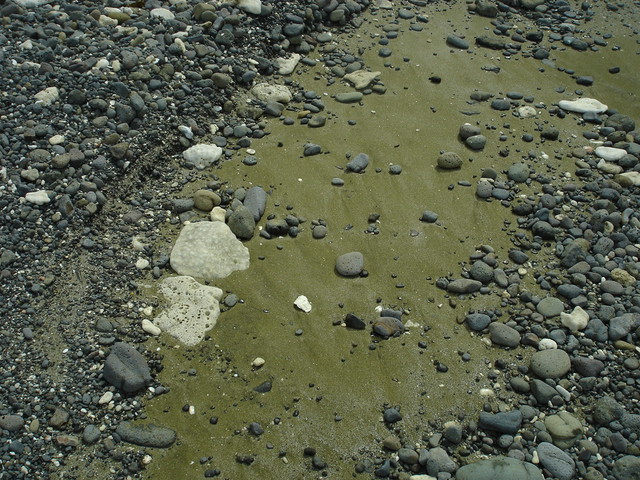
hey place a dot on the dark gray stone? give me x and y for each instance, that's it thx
(478, 321)
(559, 464)
(256, 201)
(499, 468)
(503, 422)
(358, 163)
(550, 363)
(350, 264)
(146, 435)
(242, 223)
(126, 369)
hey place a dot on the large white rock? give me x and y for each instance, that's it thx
(193, 309)
(610, 154)
(583, 105)
(303, 303)
(288, 65)
(39, 197)
(250, 6)
(576, 320)
(47, 96)
(361, 78)
(633, 177)
(162, 13)
(208, 250)
(527, 111)
(272, 93)
(202, 155)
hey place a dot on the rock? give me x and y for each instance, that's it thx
(484, 188)
(47, 96)
(620, 327)
(610, 154)
(550, 307)
(493, 43)
(607, 410)
(518, 172)
(457, 42)
(352, 321)
(256, 200)
(558, 463)
(208, 250)
(91, 434)
(576, 320)
(302, 303)
(564, 428)
(391, 415)
(202, 155)
(349, 97)
(286, 66)
(502, 422)
(250, 6)
(487, 9)
(388, 327)
(350, 264)
(429, 217)
(205, 200)
(361, 79)
(620, 122)
(408, 456)
(583, 105)
(11, 423)
(193, 309)
(476, 142)
(587, 367)
(478, 321)
(464, 285)
(272, 93)
(467, 130)
(439, 461)
(449, 161)
(550, 363)
(146, 435)
(527, 111)
(125, 368)
(453, 432)
(627, 468)
(39, 197)
(163, 13)
(499, 468)
(150, 328)
(542, 391)
(358, 163)
(481, 271)
(242, 223)
(504, 335)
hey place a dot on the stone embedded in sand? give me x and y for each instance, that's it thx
(193, 309)
(208, 250)
(272, 93)
(350, 264)
(583, 105)
(576, 320)
(250, 6)
(287, 65)
(303, 303)
(449, 161)
(202, 155)
(361, 78)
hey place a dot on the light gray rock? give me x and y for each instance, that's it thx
(476, 142)
(202, 155)
(464, 285)
(193, 309)
(553, 363)
(287, 65)
(208, 250)
(583, 105)
(126, 369)
(503, 422)
(610, 154)
(550, 307)
(350, 264)
(481, 271)
(146, 435)
(272, 93)
(518, 172)
(361, 79)
(627, 468)
(564, 428)
(11, 423)
(256, 201)
(499, 468)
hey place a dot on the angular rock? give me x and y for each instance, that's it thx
(361, 79)
(202, 155)
(126, 369)
(272, 93)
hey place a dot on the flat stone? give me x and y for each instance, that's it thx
(564, 428)
(552, 363)
(11, 423)
(499, 468)
(576, 320)
(350, 264)
(478, 321)
(557, 462)
(193, 309)
(388, 327)
(449, 161)
(550, 307)
(361, 79)
(39, 197)
(272, 93)
(464, 285)
(627, 468)
(503, 422)
(504, 335)
(610, 154)
(583, 105)
(208, 250)
(146, 435)
(518, 172)
(349, 97)
(358, 163)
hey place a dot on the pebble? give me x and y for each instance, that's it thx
(202, 155)
(149, 327)
(502, 422)
(550, 307)
(610, 154)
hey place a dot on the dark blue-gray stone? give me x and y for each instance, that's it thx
(358, 163)
(126, 369)
(256, 200)
(503, 422)
(146, 435)
(557, 462)
(478, 321)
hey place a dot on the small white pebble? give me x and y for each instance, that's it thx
(258, 362)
